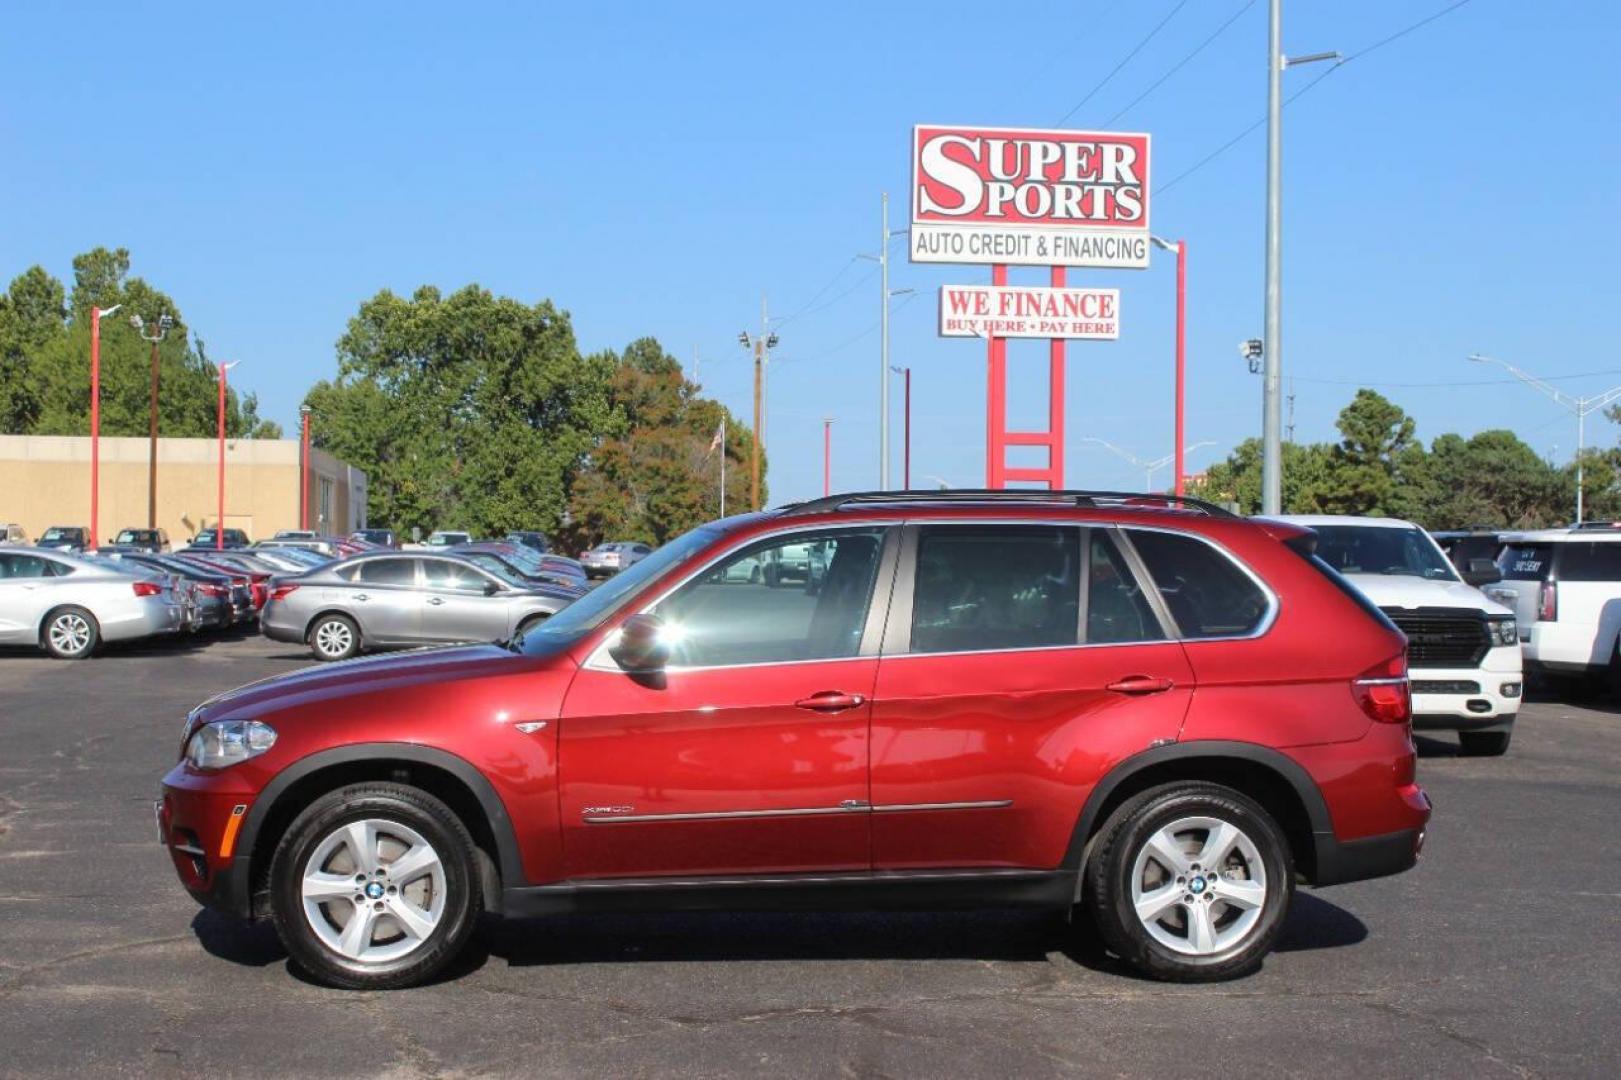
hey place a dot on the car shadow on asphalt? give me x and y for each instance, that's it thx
(690, 937)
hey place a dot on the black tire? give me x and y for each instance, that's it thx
(1483, 743)
(1107, 891)
(69, 633)
(330, 645)
(396, 804)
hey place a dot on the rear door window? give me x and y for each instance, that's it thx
(1589, 561)
(1206, 592)
(990, 587)
(389, 572)
(1525, 562)
(1117, 611)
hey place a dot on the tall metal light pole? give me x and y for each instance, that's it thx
(1581, 406)
(165, 323)
(219, 520)
(906, 426)
(304, 468)
(883, 351)
(827, 456)
(1272, 380)
(96, 315)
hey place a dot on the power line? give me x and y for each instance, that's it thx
(1236, 139)
(847, 342)
(1116, 69)
(1180, 64)
(1453, 383)
(791, 316)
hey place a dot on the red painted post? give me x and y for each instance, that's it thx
(996, 402)
(304, 474)
(906, 469)
(219, 520)
(1181, 357)
(95, 424)
(1055, 400)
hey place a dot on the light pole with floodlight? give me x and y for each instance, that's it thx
(1180, 247)
(96, 315)
(219, 520)
(1149, 467)
(165, 324)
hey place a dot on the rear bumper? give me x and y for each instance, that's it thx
(277, 628)
(158, 615)
(1370, 857)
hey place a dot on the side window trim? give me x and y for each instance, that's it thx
(1145, 582)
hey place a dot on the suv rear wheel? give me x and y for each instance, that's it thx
(1190, 882)
(373, 887)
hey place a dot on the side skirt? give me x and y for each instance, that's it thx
(854, 891)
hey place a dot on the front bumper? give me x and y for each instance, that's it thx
(1469, 699)
(198, 826)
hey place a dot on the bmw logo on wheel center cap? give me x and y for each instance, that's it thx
(375, 890)
(1196, 885)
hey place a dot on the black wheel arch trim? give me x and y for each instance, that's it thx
(495, 811)
(1291, 771)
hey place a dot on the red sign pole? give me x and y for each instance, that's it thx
(1055, 401)
(1181, 358)
(996, 402)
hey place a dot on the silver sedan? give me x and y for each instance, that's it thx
(68, 605)
(390, 599)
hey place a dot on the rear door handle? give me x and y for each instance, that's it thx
(436, 600)
(830, 701)
(362, 597)
(1140, 684)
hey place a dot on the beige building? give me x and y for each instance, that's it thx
(45, 481)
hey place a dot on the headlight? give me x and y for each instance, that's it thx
(226, 742)
(1504, 631)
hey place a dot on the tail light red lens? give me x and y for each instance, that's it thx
(147, 588)
(282, 592)
(211, 590)
(1548, 602)
(1384, 693)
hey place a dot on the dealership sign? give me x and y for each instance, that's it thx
(1029, 197)
(994, 311)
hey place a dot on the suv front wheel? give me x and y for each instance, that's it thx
(374, 888)
(1190, 882)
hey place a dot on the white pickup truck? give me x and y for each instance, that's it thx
(1463, 649)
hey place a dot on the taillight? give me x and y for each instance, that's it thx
(1548, 602)
(282, 592)
(211, 590)
(147, 588)
(1384, 693)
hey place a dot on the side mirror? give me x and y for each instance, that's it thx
(1482, 572)
(641, 646)
(491, 588)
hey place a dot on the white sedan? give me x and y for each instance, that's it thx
(68, 605)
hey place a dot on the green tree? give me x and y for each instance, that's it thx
(32, 312)
(1490, 479)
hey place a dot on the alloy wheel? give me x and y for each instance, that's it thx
(373, 890)
(334, 638)
(1198, 886)
(70, 633)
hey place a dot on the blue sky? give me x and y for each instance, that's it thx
(654, 168)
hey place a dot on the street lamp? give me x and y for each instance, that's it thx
(906, 427)
(827, 456)
(165, 324)
(762, 346)
(1180, 247)
(1580, 406)
(1149, 467)
(96, 315)
(219, 520)
(304, 468)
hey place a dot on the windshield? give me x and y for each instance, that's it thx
(1372, 549)
(495, 566)
(128, 536)
(589, 611)
(57, 534)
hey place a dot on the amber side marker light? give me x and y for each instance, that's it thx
(228, 841)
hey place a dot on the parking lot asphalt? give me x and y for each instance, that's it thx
(1499, 955)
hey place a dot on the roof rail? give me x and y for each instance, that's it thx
(1086, 499)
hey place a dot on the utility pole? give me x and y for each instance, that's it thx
(697, 372)
(762, 346)
(906, 426)
(883, 350)
(165, 322)
(827, 456)
(1289, 428)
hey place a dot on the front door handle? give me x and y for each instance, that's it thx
(362, 597)
(1140, 684)
(436, 600)
(830, 701)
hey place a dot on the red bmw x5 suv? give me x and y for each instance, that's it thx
(1145, 708)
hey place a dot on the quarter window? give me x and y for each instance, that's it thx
(446, 576)
(734, 614)
(1208, 595)
(1590, 560)
(996, 587)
